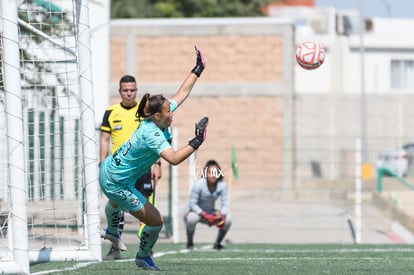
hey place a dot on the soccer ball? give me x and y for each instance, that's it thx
(310, 55)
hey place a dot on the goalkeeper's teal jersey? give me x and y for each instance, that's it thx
(138, 153)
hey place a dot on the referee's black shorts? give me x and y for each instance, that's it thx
(144, 185)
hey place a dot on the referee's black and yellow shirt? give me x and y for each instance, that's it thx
(120, 122)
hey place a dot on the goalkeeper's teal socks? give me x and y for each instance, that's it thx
(148, 238)
(113, 217)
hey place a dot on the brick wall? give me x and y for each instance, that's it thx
(242, 89)
(235, 58)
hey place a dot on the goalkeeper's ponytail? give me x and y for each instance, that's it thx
(149, 105)
(140, 114)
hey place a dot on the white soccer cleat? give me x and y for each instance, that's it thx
(115, 240)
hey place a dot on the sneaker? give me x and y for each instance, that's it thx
(146, 263)
(114, 239)
(218, 246)
(113, 254)
(190, 246)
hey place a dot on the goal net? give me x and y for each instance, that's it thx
(49, 196)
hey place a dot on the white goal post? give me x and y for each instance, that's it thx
(49, 194)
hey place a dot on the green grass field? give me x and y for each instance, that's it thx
(253, 259)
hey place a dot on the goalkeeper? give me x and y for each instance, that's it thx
(147, 143)
(201, 208)
(118, 123)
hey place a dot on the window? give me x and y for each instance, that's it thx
(402, 74)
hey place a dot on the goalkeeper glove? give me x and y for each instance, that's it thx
(210, 218)
(200, 63)
(222, 221)
(200, 133)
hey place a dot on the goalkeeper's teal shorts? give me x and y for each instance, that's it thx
(125, 196)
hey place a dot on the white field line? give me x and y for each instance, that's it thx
(275, 259)
(208, 248)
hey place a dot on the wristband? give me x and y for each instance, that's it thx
(195, 143)
(197, 70)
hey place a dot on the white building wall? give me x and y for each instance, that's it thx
(328, 99)
(388, 40)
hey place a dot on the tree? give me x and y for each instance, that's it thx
(132, 9)
(187, 8)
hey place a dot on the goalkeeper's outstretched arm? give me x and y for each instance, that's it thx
(184, 91)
